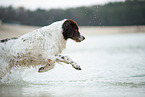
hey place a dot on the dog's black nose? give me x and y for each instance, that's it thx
(83, 38)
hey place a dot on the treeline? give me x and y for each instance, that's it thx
(130, 12)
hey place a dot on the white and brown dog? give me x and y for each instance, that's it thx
(41, 46)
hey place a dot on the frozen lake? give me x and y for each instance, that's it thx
(112, 66)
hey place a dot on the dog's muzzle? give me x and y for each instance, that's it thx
(79, 39)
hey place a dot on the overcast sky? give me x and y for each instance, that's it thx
(48, 4)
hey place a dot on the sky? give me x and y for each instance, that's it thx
(49, 4)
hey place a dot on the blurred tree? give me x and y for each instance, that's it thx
(130, 12)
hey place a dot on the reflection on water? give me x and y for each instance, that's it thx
(112, 66)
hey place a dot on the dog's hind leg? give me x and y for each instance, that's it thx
(48, 66)
(67, 60)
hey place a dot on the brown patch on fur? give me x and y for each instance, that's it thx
(71, 30)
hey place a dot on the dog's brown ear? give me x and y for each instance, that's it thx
(69, 27)
(71, 30)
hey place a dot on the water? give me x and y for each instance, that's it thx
(112, 66)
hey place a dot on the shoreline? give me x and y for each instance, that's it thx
(10, 30)
(107, 30)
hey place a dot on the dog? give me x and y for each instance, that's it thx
(41, 46)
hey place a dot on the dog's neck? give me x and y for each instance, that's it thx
(54, 36)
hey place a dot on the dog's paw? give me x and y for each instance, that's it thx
(41, 69)
(46, 68)
(77, 67)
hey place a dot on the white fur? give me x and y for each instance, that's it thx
(33, 48)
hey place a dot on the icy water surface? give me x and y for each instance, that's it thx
(112, 66)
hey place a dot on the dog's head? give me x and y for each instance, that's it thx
(71, 30)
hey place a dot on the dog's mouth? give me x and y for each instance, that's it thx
(79, 39)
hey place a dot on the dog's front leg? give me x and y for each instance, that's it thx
(67, 60)
(48, 66)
